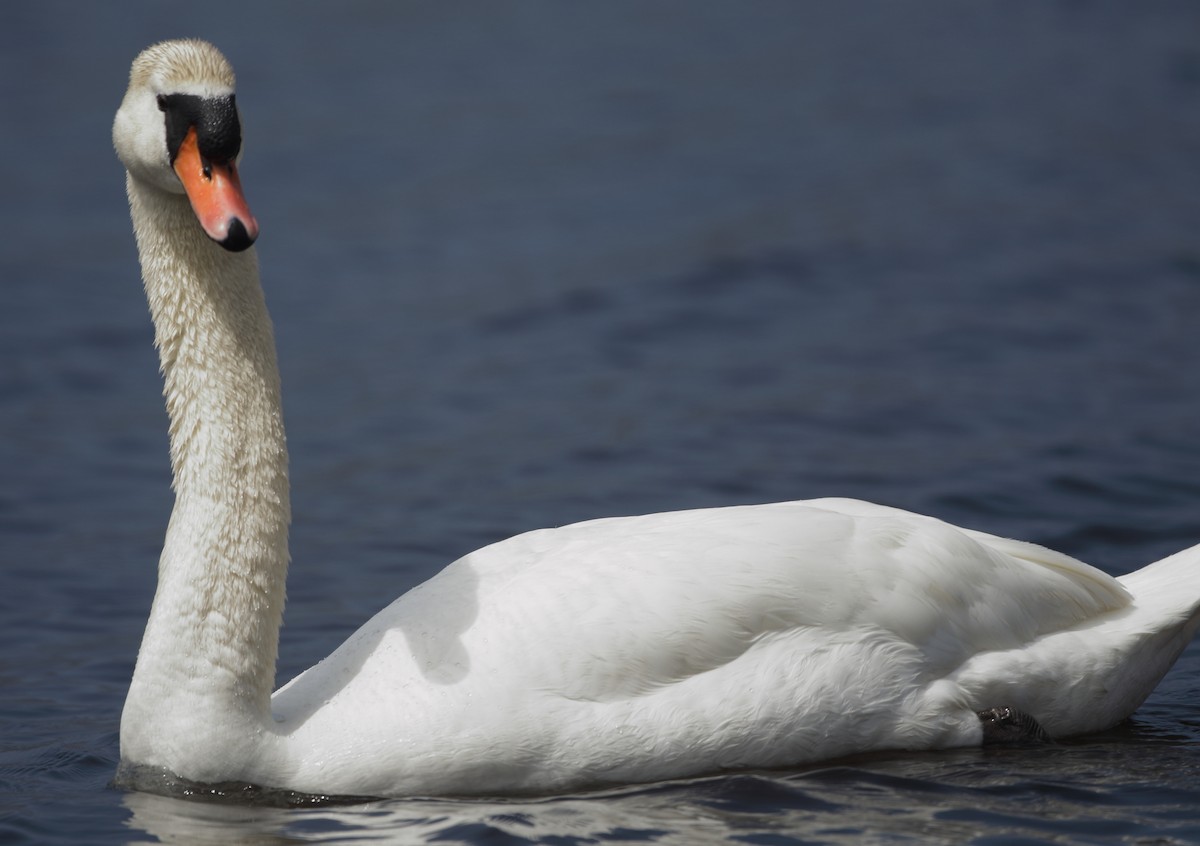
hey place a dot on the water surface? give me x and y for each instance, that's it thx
(533, 263)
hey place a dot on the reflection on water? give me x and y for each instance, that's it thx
(1083, 789)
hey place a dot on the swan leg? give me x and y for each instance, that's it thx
(1010, 726)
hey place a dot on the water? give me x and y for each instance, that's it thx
(533, 263)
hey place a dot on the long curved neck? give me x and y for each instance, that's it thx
(207, 662)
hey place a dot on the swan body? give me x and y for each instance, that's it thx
(612, 651)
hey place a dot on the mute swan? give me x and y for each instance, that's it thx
(612, 651)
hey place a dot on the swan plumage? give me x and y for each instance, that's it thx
(611, 651)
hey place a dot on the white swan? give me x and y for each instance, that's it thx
(613, 651)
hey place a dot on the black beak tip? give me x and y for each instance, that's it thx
(237, 238)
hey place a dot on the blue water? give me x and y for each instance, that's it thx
(531, 263)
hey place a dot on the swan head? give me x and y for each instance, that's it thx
(178, 130)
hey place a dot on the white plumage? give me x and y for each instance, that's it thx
(612, 651)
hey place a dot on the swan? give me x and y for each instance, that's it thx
(613, 651)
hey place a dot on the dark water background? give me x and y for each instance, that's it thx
(531, 263)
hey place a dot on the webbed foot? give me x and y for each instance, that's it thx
(1010, 726)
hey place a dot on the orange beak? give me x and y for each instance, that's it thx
(216, 196)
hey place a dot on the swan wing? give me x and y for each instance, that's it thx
(620, 607)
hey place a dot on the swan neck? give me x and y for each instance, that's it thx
(209, 651)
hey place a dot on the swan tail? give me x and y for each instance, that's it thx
(1169, 589)
(1091, 676)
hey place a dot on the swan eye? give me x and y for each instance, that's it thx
(162, 103)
